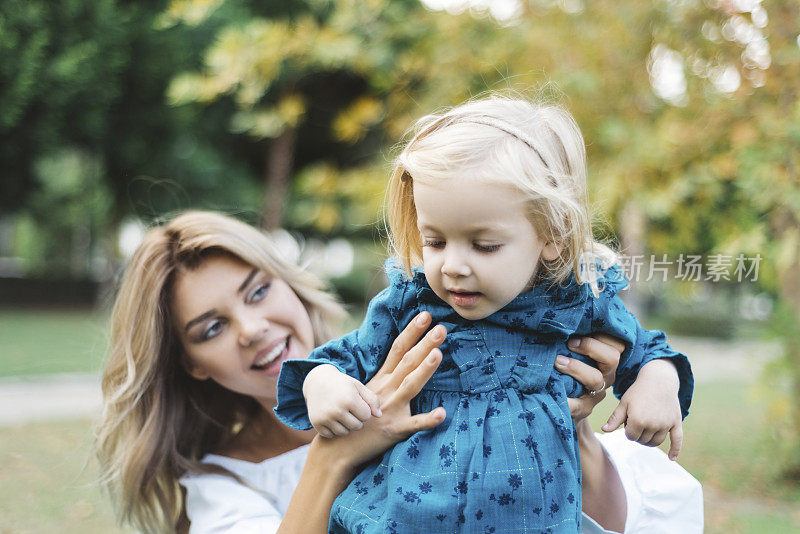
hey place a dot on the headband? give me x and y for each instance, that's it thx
(503, 126)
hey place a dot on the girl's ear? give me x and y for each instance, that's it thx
(551, 251)
(195, 371)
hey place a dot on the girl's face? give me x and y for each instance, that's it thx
(237, 325)
(479, 249)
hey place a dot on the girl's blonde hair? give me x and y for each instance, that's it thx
(536, 148)
(157, 421)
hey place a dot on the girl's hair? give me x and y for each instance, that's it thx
(536, 148)
(157, 421)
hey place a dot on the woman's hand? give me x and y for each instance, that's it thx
(603, 349)
(333, 462)
(408, 366)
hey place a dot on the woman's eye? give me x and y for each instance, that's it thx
(259, 292)
(487, 248)
(212, 330)
(433, 243)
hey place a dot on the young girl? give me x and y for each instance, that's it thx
(490, 200)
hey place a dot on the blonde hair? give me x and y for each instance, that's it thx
(157, 421)
(535, 148)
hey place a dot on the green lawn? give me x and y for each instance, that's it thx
(49, 480)
(725, 448)
(41, 342)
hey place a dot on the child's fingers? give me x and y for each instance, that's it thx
(633, 431)
(413, 383)
(361, 410)
(372, 400)
(645, 436)
(675, 441)
(411, 361)
(617, 417)
(324, 431)
(657, 439)
(405, 341)
(351, 422)
(337, 428)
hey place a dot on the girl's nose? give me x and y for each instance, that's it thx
(455, 265)
(252, 330)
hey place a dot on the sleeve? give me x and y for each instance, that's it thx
(609, 315)
(661, 495)
(217, 504)
(358, 354)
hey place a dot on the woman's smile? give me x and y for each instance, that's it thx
(269, 358)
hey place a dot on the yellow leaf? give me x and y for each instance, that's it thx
(328, 217)
(352, 123)
(291, 109)
(189, 12)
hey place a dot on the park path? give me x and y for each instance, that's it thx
(76, 395)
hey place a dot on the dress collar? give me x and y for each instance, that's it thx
(545, 309)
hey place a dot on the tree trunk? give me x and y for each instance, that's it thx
(789, 294)
(278, 172)
(632, 228)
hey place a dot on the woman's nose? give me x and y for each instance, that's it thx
(455, 264)
(252, 329)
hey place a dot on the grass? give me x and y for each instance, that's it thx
(50, 480)
(726, 448)
(51, 341)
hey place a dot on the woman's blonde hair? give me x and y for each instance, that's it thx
(157, 421)
(536, 148)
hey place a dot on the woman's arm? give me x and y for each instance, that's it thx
(603, 496)
(333, 462)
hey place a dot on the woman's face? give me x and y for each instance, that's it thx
(237, 325)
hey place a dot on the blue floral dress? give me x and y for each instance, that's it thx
(506, 457)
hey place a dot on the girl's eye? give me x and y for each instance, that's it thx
(213, 328)
(433, 243)
(487, 248)
(259, 292)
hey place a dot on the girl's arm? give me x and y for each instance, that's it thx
(333, 462)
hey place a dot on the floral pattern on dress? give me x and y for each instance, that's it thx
(506, 457)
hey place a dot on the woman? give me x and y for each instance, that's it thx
(205, 314)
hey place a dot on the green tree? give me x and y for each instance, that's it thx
(89, 78)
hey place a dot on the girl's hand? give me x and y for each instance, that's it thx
(407, 368)
(337, 403)
(603, 349)
(650, 408)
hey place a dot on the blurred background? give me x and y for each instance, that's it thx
(286, 113)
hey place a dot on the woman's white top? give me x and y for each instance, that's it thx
(218, 503)
(661, 495)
